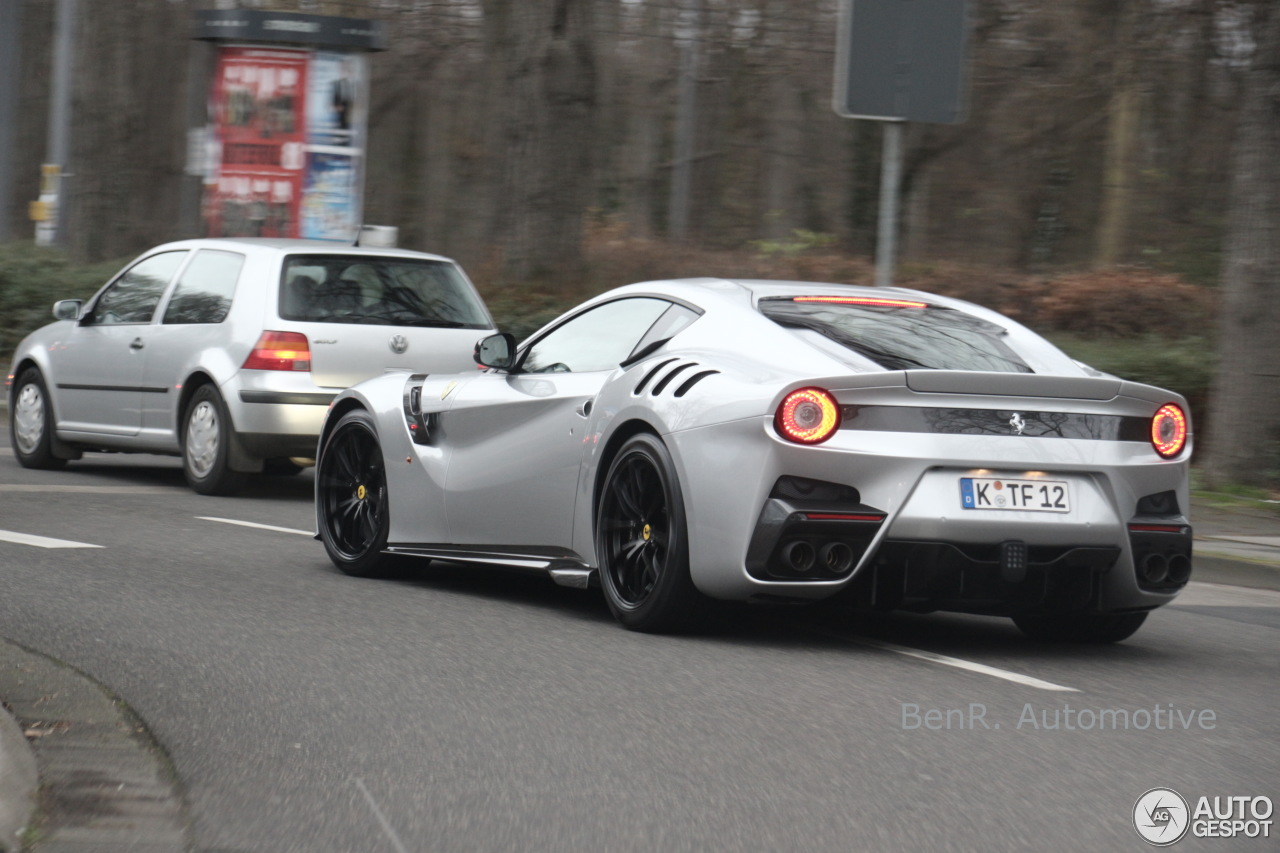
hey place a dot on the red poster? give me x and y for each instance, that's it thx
(256, 109)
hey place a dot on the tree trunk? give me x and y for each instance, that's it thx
(546, 115)
(1244, 425)
(1124, 114)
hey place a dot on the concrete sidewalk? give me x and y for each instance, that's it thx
(1236, 542)
(78, 771)
(81, 771)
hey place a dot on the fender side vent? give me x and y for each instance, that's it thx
(693, 380)
(420, 424)
(651, 374)
(672, 374)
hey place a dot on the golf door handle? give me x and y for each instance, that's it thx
(136, 343)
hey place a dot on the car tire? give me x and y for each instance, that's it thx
(206, 445)
(642, 542)
(351, 498)
(1081, 628)
(31, 422)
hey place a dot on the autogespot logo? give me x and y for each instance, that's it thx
(1161, 816)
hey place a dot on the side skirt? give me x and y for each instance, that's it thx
(564, 567)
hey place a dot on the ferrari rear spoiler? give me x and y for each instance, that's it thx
(1012, 384)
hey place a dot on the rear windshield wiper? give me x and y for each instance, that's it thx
(426, 322)
(391, 318)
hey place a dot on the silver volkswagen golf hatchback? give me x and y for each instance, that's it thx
(228, 352)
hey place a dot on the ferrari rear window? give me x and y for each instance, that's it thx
(902, 336)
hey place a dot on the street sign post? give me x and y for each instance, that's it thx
(902, 60)
(899, 61)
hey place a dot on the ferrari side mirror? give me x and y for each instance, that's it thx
(496, 351)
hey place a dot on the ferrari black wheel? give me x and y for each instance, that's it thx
(1081, 628)
(351, 497)
(642, 542)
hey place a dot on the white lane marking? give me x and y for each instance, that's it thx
(91, 490)
(41, 541)
(958, 663)
(382, 818)
(256, 525)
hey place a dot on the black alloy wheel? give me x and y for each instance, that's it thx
(642, 542)
(1082, 627)
(351, 492)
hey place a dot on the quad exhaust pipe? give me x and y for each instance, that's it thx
(1155, 568)
(836, 557)
(801, 556)
(1158, 568)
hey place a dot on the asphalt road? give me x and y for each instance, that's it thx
(474, 710)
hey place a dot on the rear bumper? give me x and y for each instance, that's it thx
(277, 413)
(271, 445)
(902, 537)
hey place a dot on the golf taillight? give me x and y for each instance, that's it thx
(807, 416)
(1169, 430)
(280, 351)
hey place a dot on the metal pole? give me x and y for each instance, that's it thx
(10, 64)
(59, 139)
(200, 65)
(686, 125)
(890, 181)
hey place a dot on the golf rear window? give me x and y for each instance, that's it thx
(901, 334)
(366, 289)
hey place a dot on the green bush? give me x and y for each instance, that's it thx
(524, 312)
(31, 280)
(1184, 365)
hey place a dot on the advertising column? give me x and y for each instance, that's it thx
(258, 143)
(283, 148)
(336, 96)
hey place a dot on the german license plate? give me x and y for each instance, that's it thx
(1015, 494)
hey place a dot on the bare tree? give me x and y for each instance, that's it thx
(1124, 116)
(545, 57)
(495, 125)
(1245, 410)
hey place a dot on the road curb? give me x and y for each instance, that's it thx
(1211, 568)
(103, 785)
(18, 781)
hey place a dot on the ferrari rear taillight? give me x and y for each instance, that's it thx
(280, 351)
(1169, 430)
(807, 416)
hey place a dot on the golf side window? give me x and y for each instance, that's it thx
(203, 294)
(133, 297)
